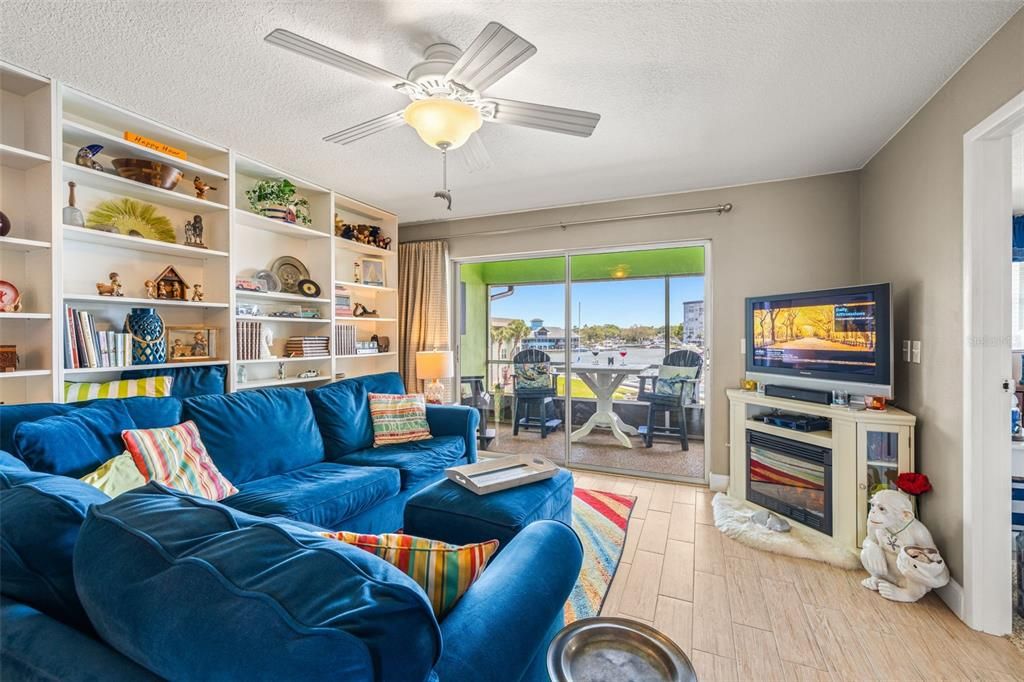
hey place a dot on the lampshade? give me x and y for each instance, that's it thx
(434, 364)
(443, 121)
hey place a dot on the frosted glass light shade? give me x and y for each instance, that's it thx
(443, 121)
(434, 364)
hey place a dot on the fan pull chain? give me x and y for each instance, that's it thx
(444, 192)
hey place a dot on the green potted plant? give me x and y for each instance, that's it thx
(276, 199)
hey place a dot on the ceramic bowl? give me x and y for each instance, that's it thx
(148, 172)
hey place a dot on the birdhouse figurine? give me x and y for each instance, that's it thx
(170, 285)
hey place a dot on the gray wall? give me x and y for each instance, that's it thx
(781, 236)
(911, 234)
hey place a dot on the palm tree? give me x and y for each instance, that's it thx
(517, 331)
(499, 335)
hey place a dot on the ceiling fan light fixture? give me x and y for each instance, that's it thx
(443, 123)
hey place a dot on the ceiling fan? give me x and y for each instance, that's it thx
(447, 91)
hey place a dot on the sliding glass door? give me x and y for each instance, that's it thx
(597, 360)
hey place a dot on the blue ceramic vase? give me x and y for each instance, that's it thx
(149, 344)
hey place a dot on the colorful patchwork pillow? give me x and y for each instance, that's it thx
(116, 476)
(176, 457)
(151, 387)
(398, 418)
(533, 375)
(444, 571)
(671, 380)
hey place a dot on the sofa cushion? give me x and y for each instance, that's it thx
(76, 443)
(417, 462)
(343, 410)
(444, 571)
(41, 516)
(255, 434)
(12, 415)
(188, 381)
(152, 387)
(276, 602)
(176, 457)
(322, 494)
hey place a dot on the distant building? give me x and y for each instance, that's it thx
(693, 323)
(541, 337)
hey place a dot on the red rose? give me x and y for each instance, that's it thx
(913, 484)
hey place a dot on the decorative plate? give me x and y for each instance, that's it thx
(10, 297)
(309, 288)
(269, 280)
(290, 271)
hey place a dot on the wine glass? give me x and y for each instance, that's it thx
(595, 352)
(622, 354)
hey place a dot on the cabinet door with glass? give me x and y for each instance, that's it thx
(883, 452)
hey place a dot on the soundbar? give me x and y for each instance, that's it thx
(805, 394)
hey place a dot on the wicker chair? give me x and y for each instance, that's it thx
(660, 404)
(529, 395)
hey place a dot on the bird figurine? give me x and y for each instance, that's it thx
(86, 156)
(201, 187)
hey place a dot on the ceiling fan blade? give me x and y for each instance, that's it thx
(544, 117)
(314, 50)
(474, 154)
(493, 53)
(367, 128)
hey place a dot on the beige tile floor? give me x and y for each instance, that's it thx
(742, 614)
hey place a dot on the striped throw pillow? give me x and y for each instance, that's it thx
(152, 387)
(176, 457)
(398, 418)
(444, 571)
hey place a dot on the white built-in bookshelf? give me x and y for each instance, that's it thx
(44, 124)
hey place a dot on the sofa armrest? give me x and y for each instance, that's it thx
(35, 647)
(506, 617)
(455, 420)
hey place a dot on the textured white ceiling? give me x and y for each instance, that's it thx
(692, 94)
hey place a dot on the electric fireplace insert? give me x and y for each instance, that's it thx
(791, 478)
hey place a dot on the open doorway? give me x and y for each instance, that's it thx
(989, 379)
(1017, 345)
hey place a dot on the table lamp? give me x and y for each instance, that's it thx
(432, 365)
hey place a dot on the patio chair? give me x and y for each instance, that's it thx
(474, 394)
(671, 391)
(533, 386)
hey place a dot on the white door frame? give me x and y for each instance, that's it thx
(985, 603)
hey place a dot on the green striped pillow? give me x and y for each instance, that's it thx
(444, 571)
(398, 418)
(152, 387)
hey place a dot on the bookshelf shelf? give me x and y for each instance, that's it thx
(55, 265)
(361, 356)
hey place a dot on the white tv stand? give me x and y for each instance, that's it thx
(868, 448)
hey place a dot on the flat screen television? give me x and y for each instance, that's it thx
(828, 339)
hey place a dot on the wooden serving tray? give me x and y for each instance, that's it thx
(502, 473)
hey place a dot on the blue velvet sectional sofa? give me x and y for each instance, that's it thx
(158, 584)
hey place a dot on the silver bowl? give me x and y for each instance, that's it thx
(613, 650)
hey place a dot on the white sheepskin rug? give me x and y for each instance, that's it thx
(732, 517)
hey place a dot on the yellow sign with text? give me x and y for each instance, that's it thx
(154, 145)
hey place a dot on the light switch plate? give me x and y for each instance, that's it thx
(906, 350)
(743, 346)
(915, 352)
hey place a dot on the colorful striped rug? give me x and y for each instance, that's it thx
(600, 520)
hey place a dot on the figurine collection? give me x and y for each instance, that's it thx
(362, 234)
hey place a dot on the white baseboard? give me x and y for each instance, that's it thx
(719, 482)
(953, 594)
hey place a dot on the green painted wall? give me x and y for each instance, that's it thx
(477, 277)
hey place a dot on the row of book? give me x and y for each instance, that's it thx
(345, 339)
(307, 346)
(249, 335)
(86, 346)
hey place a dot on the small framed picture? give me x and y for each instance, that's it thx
(373, 271)
(190, 342)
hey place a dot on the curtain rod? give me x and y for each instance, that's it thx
(719, 209)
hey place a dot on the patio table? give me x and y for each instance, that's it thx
(603, 380)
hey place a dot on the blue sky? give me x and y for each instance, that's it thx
(622, 302)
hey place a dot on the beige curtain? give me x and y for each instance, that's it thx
(422, 304)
